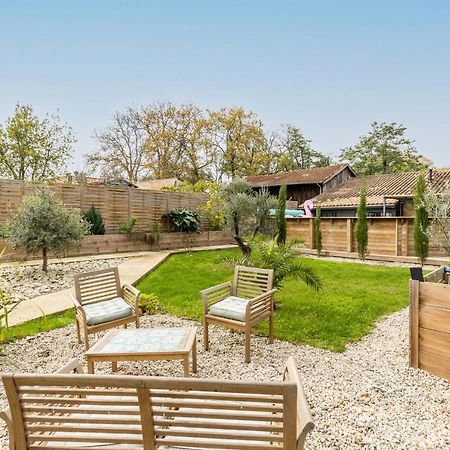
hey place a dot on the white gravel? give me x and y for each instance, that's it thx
(30, 281)
(365, 398)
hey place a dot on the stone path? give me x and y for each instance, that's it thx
(131, 270)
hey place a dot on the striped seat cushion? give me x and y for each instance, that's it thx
(106, 311)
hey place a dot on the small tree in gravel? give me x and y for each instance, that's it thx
(438, 208)
(317, 232)
(421, 238)
(43, 224)
(281, 215)
(361, 224)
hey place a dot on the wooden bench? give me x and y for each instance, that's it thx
(78, 412)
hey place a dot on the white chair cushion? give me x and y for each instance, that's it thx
(106, 311)
(230, 308)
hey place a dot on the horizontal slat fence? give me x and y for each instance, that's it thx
(115, 204)
(430, 326)
(112, 243)
(388, 236)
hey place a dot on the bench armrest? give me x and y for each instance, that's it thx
(260, 306)
(73, 366)
(215, 294)
(131, 295)
(304, 418)
(79, 311)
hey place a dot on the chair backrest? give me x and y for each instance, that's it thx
(249, 282)
(103, 411)
(93, 287)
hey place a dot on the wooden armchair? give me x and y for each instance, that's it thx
(241, 304)
(101, 303)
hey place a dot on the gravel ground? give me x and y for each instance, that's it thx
(30, 281)
(364, 398)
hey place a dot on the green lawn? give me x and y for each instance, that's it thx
(353, 298)
(45, 323)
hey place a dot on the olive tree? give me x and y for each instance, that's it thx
(438, 207)
(43, 224)
(247, 212)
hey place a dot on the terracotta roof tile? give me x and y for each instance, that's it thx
(304, 176)
(379, 186)
(157, 185)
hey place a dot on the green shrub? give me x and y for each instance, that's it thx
(127, 227)
(361, 231)
(94, 217)
(421, 239)
(281, 215)
(184, 221)
(318, 231)
(150, 304)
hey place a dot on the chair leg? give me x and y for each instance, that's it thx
(78, 331)
(138, 324)
(86, 339)
(271, 329)
(247, 345)
(125, 326)
(205, 335)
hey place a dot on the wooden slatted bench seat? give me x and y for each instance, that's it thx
(108, 412)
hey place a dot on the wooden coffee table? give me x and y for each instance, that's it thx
(145, 344)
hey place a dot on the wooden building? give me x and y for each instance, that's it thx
(388, 195)
(304, 184)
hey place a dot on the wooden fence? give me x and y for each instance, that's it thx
(429, 323)
(115, 204)
(113, 243)
(388, 236)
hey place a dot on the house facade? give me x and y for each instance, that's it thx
(303, 184)
(388, 195)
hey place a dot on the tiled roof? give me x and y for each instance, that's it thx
(378, 187)
(156, 185)
(304, 176)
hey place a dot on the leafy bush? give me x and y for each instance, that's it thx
(127, 227)
(94, 217)
(154, 234)
(43, 224)
(184, 220)
(150, 304)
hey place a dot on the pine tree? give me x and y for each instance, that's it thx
(421, 239)
(94, 217)
(317, 231)
(361, 224)
(281, 215)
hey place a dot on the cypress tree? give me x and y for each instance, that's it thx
(94, 217)
(281, 215)
(420, 220)
(361, 224)
(317, 232)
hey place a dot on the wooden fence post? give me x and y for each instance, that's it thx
(414, 287)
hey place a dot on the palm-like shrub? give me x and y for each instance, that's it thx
(283, 259)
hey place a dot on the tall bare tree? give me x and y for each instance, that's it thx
(122, 152)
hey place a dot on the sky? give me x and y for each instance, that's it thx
(328, 67)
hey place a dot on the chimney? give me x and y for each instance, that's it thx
(430, 176)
